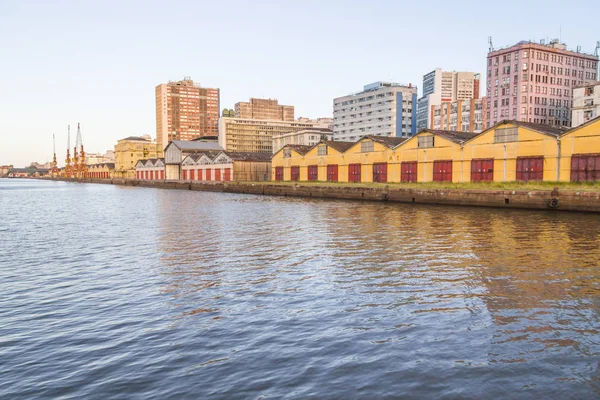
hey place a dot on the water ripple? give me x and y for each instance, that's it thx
(114, 292)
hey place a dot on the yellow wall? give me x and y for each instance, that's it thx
(443, 149)
(129, 152)
(530, 144)
(581, 140)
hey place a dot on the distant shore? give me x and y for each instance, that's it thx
(567, 197)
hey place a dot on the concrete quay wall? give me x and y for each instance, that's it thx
(560, 200)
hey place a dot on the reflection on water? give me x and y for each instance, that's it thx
(190, 294)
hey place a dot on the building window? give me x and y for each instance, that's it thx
(287, 153)
(322, 150)
(425, 141)
(504, 135)
(366, 146)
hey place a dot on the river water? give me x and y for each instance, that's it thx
(118, 292)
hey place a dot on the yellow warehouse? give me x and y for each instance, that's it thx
(580, 153)
(432, 156)
(512, 151)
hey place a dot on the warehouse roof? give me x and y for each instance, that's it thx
(453, 136)
(388, 141)
(337, 145)
(541, 128)
(188, 146)
(247, 156)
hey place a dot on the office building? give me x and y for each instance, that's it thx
(459, 116)
(445, 86)
(306, 137)
(264, 109)
(185, 111)
(533, 82)
(380, 109)
(253, 135)
(586, 103)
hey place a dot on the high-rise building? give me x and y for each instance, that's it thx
(459, 116)
(586, 103)
(255, 135)
(380, 109)
(264, 109)
(445, 87)
(533, 82)
(185, 111)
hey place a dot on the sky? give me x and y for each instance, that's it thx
(98, 62)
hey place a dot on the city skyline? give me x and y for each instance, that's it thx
(74, 63)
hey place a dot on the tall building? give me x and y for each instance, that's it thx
(586, 103)
(306, 137)
(130, 150)
(533, 82)
(254, 135)
(459, 116)
(445, 86)
(264, 109)
(185, 111)
(380, 109)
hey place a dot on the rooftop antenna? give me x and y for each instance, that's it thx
(560, 33)
(597, 51)
(579, 49)
(491, 45)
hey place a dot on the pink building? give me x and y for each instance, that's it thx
(533, 82)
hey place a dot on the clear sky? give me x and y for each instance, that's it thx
(98, 62)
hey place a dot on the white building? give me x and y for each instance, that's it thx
(307, 137)
(381, 109)
(445, 87)
(586, 103)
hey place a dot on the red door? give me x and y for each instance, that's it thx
(278, 173)
(482, 170)
(218, 174)
(208, 174)
(585, 167)
(295, 173)
(408, 171)
(162, 174)
(313, 173)
(530, 168)
(332, 173)
(442, 171)
(380, 172)
(227, 174)
(354, 173)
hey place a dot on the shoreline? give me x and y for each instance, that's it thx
(553, 200)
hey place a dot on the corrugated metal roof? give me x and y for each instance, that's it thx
(186, 146)
(337, 145)
(453, 136)
(541, 128)
(248, 156)
(140, 139)
(388, 141)
(299, 148)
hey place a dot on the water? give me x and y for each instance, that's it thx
(116, 292)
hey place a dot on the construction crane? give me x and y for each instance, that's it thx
(68, 170)
(54, 170)
(81, 167)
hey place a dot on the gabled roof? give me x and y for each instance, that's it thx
(337, 145)
(388, 141)
(299, 148)
(591, 121)
(248, 156)
(136, 138)
(189, 146)
(453, 136)
(541, 128)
